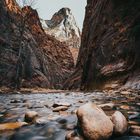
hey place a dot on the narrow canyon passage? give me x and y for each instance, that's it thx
(61, 81)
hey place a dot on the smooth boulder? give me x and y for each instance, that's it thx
(120, 123)
(94, 123)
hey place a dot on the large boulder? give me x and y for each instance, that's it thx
(94, 123)
(120, 123)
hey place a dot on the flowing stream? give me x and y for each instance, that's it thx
(53, 125)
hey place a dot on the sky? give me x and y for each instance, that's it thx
(46, 8)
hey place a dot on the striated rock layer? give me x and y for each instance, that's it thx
(109, 54)
(29, 57)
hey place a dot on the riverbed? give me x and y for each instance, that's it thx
(54, 125)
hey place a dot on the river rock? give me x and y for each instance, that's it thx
(95, 124)
(41, 121)
(30, 116)
(60, 108)
(68, 122)
(11, 126)
(125, 92)
(73, 136)
(135, 130)
(57, 104)
(120, 123)
(108, 106)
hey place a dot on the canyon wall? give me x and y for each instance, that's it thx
(109, 56)
(29, 57)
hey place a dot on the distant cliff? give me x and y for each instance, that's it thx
(110, 49)
(64, 28)
(29, 57)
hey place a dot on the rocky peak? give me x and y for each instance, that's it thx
(63, 27)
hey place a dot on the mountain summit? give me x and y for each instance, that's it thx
(63, 27)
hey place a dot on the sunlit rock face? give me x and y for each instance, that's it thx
(109, 54)
(63, 27)
(33, 58)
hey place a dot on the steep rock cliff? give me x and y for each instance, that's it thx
(109, 54)
(29, 57)
(64, 28)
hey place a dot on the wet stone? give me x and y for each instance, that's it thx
(73, 136)
(30, 116)
(42, 120)
(120, 123)
(61, 104)
(16, 101)
(11, 126)
(60, 108)
(135, 130)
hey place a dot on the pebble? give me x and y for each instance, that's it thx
(30, 116)
(61, 104)
(60, 108)
(135, 130)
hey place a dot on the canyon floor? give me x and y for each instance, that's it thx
(56, 111)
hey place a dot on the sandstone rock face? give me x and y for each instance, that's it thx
(109, 46)
(30, 57)
(120, 123)
(94, 123)
(64, 28)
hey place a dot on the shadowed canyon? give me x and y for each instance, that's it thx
(60, 83)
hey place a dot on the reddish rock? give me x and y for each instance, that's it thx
(44, 61)
(109, 49)
(11, 126)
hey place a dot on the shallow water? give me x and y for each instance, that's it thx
(56, 124)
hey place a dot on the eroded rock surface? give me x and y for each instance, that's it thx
(109, 55)
(29, 57)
